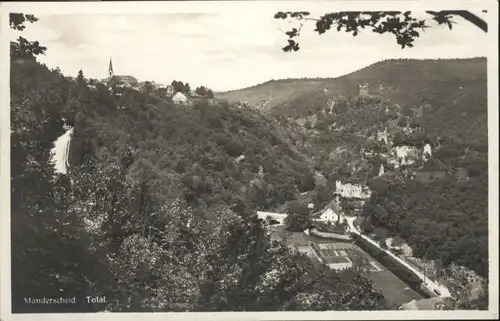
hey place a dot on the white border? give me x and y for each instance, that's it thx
(208, 6)
(214, 7)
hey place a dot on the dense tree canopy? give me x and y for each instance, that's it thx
(179, 86)
(443, 220)
(202, 91)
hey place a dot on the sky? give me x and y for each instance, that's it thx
(227, 50)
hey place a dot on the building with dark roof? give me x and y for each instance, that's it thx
(127, 81)
(121, 80)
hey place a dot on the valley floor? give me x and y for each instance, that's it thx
(395, 291)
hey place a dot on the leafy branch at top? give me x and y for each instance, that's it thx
(444, 17)
(402, 25)
(22, 48)
(17, 20)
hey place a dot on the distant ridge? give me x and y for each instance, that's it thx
(347, 74)
(272, 93)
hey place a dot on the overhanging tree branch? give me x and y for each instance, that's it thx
(402, 25)
(467, 15)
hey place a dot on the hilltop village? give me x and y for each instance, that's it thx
(177, 91)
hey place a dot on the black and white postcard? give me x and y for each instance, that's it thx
(253, 160)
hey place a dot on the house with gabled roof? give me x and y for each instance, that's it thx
(180, 98)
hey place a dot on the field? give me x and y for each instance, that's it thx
(395, 291)
(350, 251)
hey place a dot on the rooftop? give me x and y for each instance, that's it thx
(126, 78)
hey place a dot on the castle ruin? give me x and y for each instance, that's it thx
(363, 90)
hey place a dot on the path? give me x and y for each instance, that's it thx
(433, 286)
(61, 151)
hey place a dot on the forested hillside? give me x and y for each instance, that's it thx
(157, 210)
(272, 93)
(205, 154)
(417, 102)
(447, 85)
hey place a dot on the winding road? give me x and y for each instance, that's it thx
(60, 152)
(431, 285)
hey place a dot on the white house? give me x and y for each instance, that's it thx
(405, 155)
(352, 191)
(427, 153)
(180, 98)
(382, 136)
(330, 216)
(280, 217)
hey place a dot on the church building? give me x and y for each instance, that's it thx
(121, 80)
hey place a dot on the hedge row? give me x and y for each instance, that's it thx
(330, 236)
(391, 264)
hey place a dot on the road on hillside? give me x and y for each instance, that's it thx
(61, 152)
(434, 286)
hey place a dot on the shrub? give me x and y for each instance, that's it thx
(307, 182)
(234, 148)
(321, 125)
(297, 222)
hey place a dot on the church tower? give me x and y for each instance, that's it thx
(110, 69)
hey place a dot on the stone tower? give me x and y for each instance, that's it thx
(382, 136)
(381, 170)
(427, 153)
(331, 106)
(363, 90)
(261, 171)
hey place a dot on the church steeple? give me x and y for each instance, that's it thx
(110, 69)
